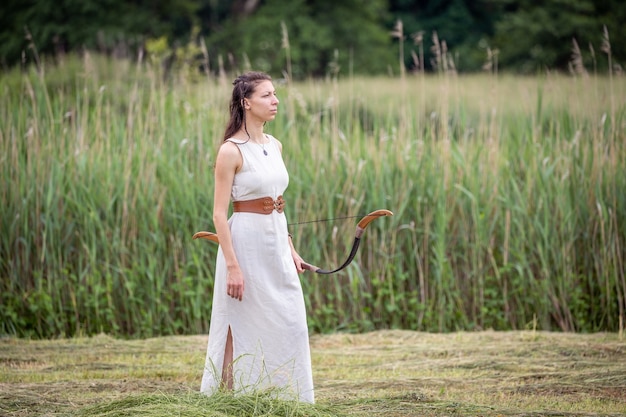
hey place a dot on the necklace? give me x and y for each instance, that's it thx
(263, 146)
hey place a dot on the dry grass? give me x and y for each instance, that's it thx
(391, 373)
(511, 373)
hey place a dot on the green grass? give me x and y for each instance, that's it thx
(391, 373)
(507, 194)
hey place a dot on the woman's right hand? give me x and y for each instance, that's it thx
(234, 284)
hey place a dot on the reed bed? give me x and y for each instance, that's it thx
(508, 195)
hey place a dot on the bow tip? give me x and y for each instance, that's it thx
(373, 215)
(206, 235)
(380, 213)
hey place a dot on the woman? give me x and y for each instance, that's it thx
(258, 338)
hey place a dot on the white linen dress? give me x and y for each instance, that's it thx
(269, 327)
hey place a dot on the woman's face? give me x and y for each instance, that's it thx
(263, 103)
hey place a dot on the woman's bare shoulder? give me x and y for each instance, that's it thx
(229, 146)
(230, 154)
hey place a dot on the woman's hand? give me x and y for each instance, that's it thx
(298, 261)
(234, 283)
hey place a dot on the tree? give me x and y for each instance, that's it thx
(324, 35)
(465, 26)
(346, 34)
(59, 26)
(535, 35)
(612, 14)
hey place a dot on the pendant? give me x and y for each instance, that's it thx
(264, 152)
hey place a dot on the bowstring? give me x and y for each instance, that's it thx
(323, 220)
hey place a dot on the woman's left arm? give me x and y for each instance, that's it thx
(297, 259)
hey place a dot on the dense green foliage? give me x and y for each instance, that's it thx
(60, 26)
(321, 37)
(507, 193)
(543, 32)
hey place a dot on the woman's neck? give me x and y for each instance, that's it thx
(255, 134)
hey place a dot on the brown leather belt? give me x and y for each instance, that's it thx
(263, 205)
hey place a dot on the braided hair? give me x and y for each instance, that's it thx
(244, 86)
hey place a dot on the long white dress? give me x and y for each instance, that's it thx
(269, 327)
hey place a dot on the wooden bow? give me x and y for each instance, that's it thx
(360, 229)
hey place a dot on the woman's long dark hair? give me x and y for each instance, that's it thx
(244, 86)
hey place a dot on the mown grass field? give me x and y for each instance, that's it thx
(384, 373)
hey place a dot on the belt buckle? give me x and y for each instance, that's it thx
(268, 205)
(279, 203)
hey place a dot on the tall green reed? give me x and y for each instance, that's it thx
(95, 199)
(494, 217)
(507, 194)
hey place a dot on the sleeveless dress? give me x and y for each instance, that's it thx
(269, 328)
